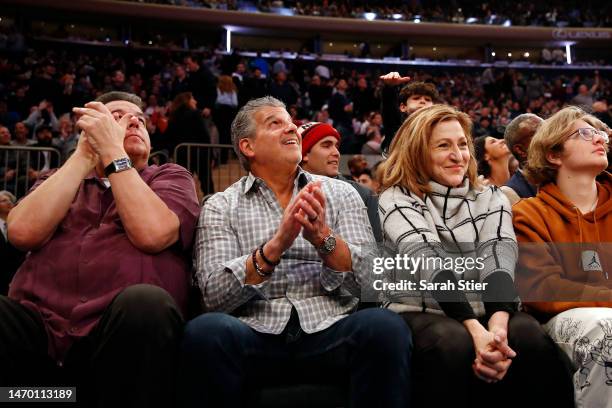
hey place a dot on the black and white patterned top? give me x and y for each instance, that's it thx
(459, 221)
(235, 222)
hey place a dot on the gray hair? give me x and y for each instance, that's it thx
(243, 125)
(9, 195)
(512, 130)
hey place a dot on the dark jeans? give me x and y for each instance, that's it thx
(443, 377)
(127, 360)
(223, 359)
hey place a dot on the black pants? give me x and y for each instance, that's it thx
(443, 377)
(127, 360)
(368, 351)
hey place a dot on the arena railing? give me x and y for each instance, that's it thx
(20, 166)
(159, 157)
(215, 164)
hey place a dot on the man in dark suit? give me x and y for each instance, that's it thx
(518, 135)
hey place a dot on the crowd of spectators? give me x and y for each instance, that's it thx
(553, 14)
(38, 89)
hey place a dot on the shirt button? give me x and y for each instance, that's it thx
(84, 299)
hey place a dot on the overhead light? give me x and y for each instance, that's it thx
(397, 16)
(354, 45)
(434, 48)
(107, 39)
(526, 55)
(471, 20)
(417, 20)
(509, 54)
(71, 25)
(369, 16)
(507, 23)
(568, 53)
(228, 40)
(378, 46)
(126, 42)
(284, 11)
(331, 44)
(493, 54)
(150, 42)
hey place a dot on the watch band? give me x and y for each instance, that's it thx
(117, 166)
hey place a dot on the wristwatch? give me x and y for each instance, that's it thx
(117, 166)
(328, 245)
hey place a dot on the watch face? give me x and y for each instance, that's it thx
(118, 165)
(329, 244)
(122, 164)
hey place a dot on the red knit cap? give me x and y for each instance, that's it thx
(312, 132)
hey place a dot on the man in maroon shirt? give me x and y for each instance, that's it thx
(102, 290)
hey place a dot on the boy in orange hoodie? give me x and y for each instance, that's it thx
(565, 258)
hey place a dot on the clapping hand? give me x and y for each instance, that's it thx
(311, 214)
(104, 134)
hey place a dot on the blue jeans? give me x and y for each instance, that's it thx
(222, 358)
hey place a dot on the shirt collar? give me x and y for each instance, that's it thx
(253, 181)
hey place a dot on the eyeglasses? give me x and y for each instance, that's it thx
(589, 133)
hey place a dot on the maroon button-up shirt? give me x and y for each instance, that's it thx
(73, 278)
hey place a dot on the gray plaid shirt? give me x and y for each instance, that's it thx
(235, 222)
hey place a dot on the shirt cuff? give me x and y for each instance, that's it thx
(238, 268)
(331, 279)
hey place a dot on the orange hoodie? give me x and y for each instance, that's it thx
(556, 272)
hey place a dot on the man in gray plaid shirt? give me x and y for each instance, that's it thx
(279, 260)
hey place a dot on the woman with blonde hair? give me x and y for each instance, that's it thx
(565, 257)
(226, 107)
(467, 333)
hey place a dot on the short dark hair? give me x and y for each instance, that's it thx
(364, 171)
(419, 88)
(120, 96)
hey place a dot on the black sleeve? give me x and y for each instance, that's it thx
(391, 114)
(454, 303)
(372, 206)
(500, 294)
(199, 129)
